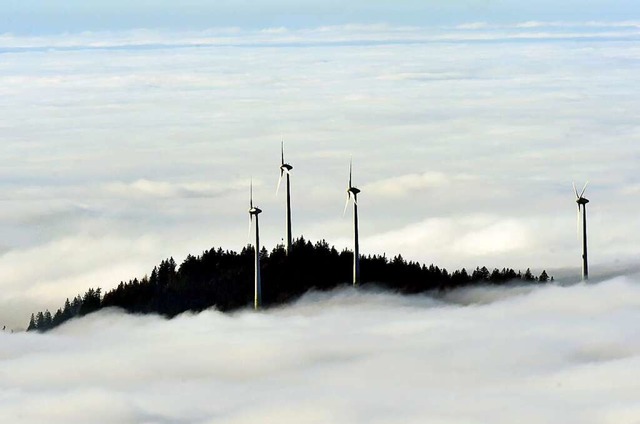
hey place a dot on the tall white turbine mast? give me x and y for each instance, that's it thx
(582, 203)
(285, 168)
(353, 191)
(255, 211)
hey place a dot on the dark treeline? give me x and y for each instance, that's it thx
(224, 279)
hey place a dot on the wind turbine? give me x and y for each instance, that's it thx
(255, 211)
(285, 168)
(351, 190)
(582, 203)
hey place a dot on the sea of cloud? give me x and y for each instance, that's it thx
(502, 355)
(120, 149)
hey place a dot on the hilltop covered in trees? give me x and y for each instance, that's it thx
(224, 279)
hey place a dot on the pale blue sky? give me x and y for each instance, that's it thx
(55, 16)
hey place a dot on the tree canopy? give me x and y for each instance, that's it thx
(224, 279)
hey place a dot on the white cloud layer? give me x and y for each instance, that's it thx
(407, 184)
(500, 355)
(326, 35)
(162, 189)
(120, 149)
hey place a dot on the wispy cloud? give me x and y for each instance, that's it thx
(374, 34)
(476, 238)
(465, 151)
(409, 184)
(162, 189)
(510, 354)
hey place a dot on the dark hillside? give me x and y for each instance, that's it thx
(224, 280)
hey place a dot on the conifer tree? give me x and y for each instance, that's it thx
(543, 277)
(224, 279)
(48, 320)
(40, 322)
(32, 323)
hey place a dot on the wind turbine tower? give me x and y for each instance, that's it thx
(285, 168)
(255, 211)
(353, 191)
(582, 203)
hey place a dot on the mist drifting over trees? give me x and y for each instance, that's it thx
(538, 353)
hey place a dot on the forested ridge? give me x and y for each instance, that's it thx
(225, 280)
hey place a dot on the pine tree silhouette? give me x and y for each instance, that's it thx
(224, 279)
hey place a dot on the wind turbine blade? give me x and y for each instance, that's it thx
(584, 188)
(279, 182)
(350, 167)
(346, 205)
(282, 150)
(251, 194)
(355, 200)
(575, 190)
(249, 232)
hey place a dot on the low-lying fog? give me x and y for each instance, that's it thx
(492, 355)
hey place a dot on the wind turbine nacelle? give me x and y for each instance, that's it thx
(353, 190)
(582, 201)
(255, 211)
(285, 167)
